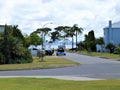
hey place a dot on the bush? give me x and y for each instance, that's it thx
(117, 50)
(2, 58)
(25, 57)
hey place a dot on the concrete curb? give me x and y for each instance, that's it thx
(74, 78)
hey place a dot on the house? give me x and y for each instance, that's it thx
(2, 27)
(112, 33)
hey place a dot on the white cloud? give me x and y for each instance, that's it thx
(30, 15)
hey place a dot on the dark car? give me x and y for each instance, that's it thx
(48, 52)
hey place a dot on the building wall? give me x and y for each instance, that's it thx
(112, 35)
(106, 36)
(1, 28)
(116, 36)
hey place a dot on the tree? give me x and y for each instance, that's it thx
(12, 48)
(43, 32)
(91, 38)
(90, 42)
(77, 31)
(62, 32)
(54, 36)
(35, 39)
(100, 41)
(69, 32)
(117, 50)
(27, 41)
(111, 47)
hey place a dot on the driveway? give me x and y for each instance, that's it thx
(91, 67)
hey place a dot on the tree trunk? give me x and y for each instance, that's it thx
(72, 43)
(76, 41)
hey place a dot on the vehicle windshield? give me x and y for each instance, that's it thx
(60, 50)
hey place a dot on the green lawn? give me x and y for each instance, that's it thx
(54, 84)
(49, 62)
(101, 54)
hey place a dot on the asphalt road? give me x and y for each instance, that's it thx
(92, 67)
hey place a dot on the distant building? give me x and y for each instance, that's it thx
(2, 27)
(112, 33)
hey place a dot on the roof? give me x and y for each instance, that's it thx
(115, 25)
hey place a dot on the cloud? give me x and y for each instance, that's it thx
(30, 15)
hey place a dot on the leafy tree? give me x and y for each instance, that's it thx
(62, 32)
(43, 32)
(90, 42)
(35, 39)
(27, 41)
(100, 41)
(54, 35)
(12, 48)
(111, 47)
(117, 50)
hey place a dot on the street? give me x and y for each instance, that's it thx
(92, 67)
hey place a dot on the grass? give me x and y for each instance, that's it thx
(49, 62)
(101, 54)
(54, 84)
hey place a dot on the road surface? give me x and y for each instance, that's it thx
(91, 67)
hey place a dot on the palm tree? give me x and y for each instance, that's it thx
(77, 31)
(70, 33)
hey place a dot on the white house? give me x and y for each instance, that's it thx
(112, 33)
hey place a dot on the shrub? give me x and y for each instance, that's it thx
(2, 58)
(117, 50)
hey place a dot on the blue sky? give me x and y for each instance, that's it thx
(33, 14)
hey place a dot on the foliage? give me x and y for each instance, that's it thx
(111, 47)
(77, 31)
(27, 40)
(43, 32)
(63, 32)
(17, 34)
(100, 41)
(12, 47)
(117, 50)
(90, 43)
(54, 36)
(2, 58)
(35, 39)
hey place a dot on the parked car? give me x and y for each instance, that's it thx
(48, 52)
(60, 52)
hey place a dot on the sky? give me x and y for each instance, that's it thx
(32, 14)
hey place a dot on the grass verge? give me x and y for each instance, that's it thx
(54, 84)
(101, 54)
(49, 62)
